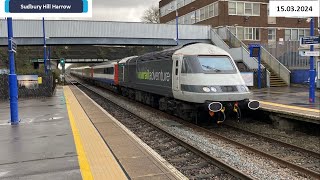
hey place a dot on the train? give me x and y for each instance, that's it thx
(197, 82)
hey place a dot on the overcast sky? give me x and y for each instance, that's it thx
(121, 10)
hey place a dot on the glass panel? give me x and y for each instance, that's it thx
(240, 8)
(232, 7)
(211, 14)
(248, 8)
(216, 9)
(233, 30)
(198, 15)
(206, 12)
(307, 31)
(240, 33)
(294, 34)
(257, 33)
(215, 64)
(301, 33)
(202, 12)
(256, 9)
(287, 34)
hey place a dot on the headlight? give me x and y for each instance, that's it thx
(206, 89)
(244, 89)
(213, 89)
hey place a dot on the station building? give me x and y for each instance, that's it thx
(250, 23)
(248, 20)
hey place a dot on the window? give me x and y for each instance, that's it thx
(202, 14)
(256, 9)
(213, 64)
(211, 9)
(240, 8)
(294, 34)
(271, 34)
(248, 8)
(108, 71)
(244, 8)
(248, 33)
(240, 33)
(287, 34)
(216, 9)
(232, 8)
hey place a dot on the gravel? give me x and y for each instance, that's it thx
(247, 162)
(296, 138)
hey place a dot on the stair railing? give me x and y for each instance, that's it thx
(276, 66)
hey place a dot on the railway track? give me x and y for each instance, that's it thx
(303, 161)
(190, 161)
(294, 157)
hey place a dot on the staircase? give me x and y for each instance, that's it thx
(279, 74)
(275, 80)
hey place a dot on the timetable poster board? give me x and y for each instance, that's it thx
(248, 78)
(45, 8)
(28, 81)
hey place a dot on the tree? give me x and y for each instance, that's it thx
(151, 15)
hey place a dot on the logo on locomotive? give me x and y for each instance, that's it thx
(154, 76)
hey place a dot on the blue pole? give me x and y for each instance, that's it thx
(49, 53)
(44, 48)
(177, 25)
(312, 71)
(13, 83)
(259, 69)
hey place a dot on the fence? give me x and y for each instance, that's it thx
(45, 89)
(288, 54)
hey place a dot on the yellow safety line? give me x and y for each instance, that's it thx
(290, 107)
(83, 161)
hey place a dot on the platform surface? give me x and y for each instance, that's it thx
(137, 161)
(68, 136)
(42, 146)
(289, 100)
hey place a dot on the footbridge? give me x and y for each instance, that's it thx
(80, 32)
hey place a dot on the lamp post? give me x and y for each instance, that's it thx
(44, 47)
(312, 71)
(13, 83)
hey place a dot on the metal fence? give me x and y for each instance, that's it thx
(46, 89)
(288, 54)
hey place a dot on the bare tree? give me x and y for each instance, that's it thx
(151, 15)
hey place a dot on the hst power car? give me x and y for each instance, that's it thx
(195, 82)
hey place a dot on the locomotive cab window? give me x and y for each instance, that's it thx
(216, 63)
(208, 64)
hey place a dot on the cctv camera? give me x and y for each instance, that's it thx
(309, 19)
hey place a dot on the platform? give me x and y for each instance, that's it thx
(69, 136)
(42, 146)
(289, 101)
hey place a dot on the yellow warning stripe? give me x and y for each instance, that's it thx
(290, 107)
(83, 161)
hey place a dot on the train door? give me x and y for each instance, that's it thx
(176, 73)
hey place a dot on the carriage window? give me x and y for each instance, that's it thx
(177, 63)
(108, 70)
(177, 71)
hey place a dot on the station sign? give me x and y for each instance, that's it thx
(46, 8)
(309, 53)
(310, 40)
